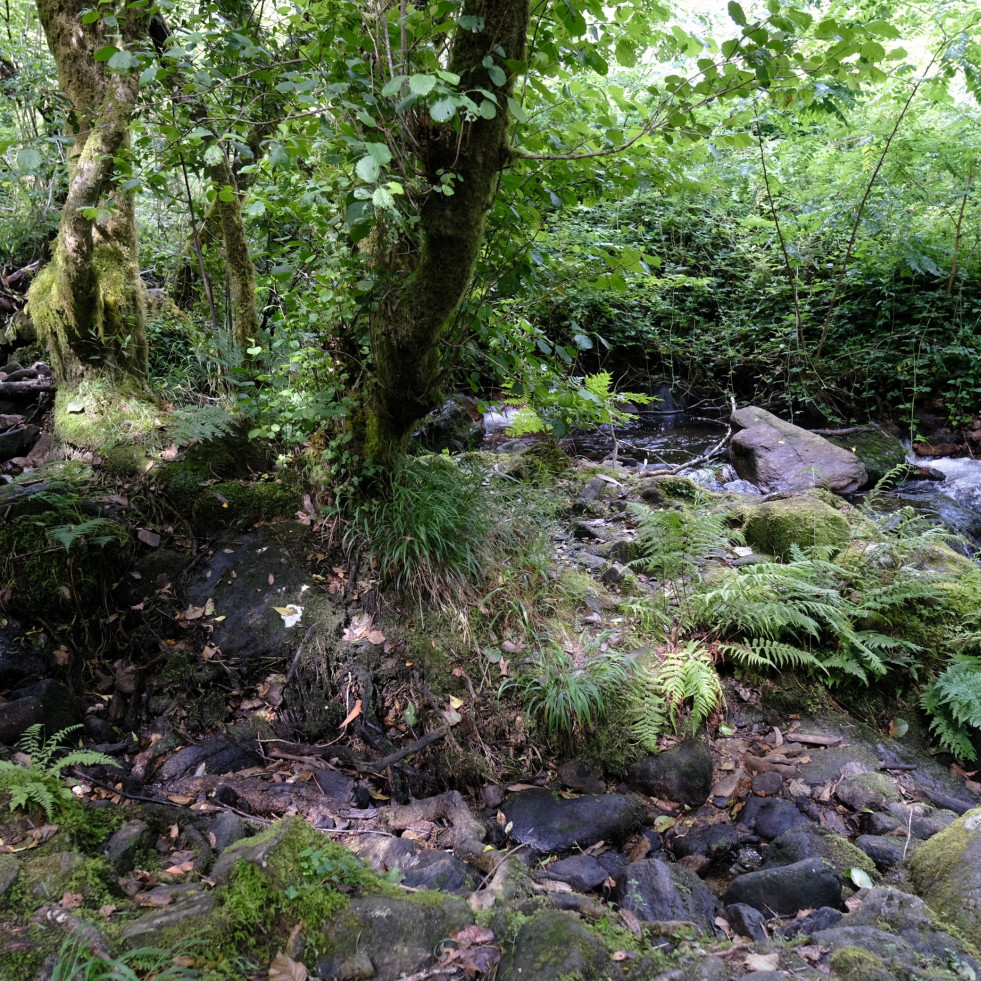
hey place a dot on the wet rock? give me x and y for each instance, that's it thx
(549, 823)
(654, 890)
(855, 963)
(746, 921)
(456, 427)
(827, 765)
(333, 783)
(886, 852)
(46, 701)
(47, 876)
(806, 926)
(554, 946)
(683, 773)
(779, 456)
(879, 451)
(867, 791)
(18, 663)
(437, 870)
(784, 890)
(583, 872)
(18, 715)
(18, 442)
(770, 817)
(383, 853)
(400, 936)
(874, 823)
(946, 872)
(123, 846)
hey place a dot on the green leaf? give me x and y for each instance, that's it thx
(256, 208)
(29, 160)
(368, 169)
(213, 155)
(149, 74)
(382, 198)
(123, 61)
(497, 74)
(861, 878)
(471, 23)
(106, 52)
(380, 152)
(736, 13)
(226, 194)
(422, 84)
(90, 16)
(394, 86)
(443, 109)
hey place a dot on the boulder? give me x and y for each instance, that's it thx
(554, 945)
(773, 527)
(946, 872)
(879, 451)
(779, 456)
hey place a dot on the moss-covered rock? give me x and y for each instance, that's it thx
(946, 872)
(555, 946)
(856, 964)
(774, 527)
(878, 450)
(96, 416)
(235, 502)
(539, 463)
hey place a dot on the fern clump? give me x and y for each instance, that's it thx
(953, 702)
(39, 783)
(675, 687)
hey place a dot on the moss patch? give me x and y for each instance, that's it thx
(774, 527)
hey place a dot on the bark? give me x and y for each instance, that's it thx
(89, 302)
(409, 329)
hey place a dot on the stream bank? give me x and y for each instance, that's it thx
(264, 678)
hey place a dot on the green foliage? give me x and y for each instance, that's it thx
(78, 959)
(429, 535)
(570, 689)
(39, 783)
(953, 702)
(673, 688)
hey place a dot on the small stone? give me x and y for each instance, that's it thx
(583, 872)
(746, 921)
(867, 791)
(574, 775)
(784, 890)
(821, 919)
(886, 852)
(770, 817)
(682, 774)
(767, 784)
(357, 967)
(123, 846)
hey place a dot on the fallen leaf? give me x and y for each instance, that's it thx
(284, 968)
(631, 922)
(156, 898)
(762, 962)
(470, 935)
(107, 910)
(71, 900)
(456, 702)
(148, 537)
(352, 715)
(194, 613)
(272, 578)
(376, 637)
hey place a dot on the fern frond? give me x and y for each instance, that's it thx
(95, 531)
(953, 702)
(774, 654)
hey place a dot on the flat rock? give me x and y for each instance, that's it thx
(437, 870)
(549, 823)
(779, 456)
(887, 852)
(770, 817)
(583, 872)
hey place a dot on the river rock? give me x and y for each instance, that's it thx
(683, 773)
(879, 451)
(814, 842)
(583, 872)
(779, 456)
(867, 791)
(123, 846)
(713, 841)
(770, 817)
(946, 872)
(746, 921)
(548, 823)
(435, 869)
(784, 890)
(887, 852)
(654, 890)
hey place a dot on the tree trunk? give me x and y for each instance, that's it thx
(89, 302)
(408, 330)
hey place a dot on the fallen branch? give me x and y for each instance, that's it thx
(28, 387)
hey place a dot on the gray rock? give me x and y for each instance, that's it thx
(401, 936)
(867, 791)
(784, 890)
(554, 946)
(746, 921)
(227, 829)
(713, 841)
(122, 847)
(548, 823)
(192, 911)
(333, 783)
(766, 784)
(806, 926)
(218, 755)
(770, 817)
(815, 842)
(383, 853)
(886, 852)
(583, 872)
(924, 822)
(874, 823)
(779, 456)
(577, 776)
(436, 870)
(654, 890)
(9, 870)
(683, 773)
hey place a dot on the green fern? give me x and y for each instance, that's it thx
(762, 654)
(676, 687)
(953, 702)
(95, 531)
(39, 784)
(200, 424)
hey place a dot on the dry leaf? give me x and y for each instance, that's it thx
(71, 900)
(194, 613)
(762, 962)
(107, 910)
(631, 922)
(471, 935)
(148, 537)
(352, 715)
(284, 968)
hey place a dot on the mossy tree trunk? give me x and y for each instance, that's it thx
(431, 273)
(89, 302)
